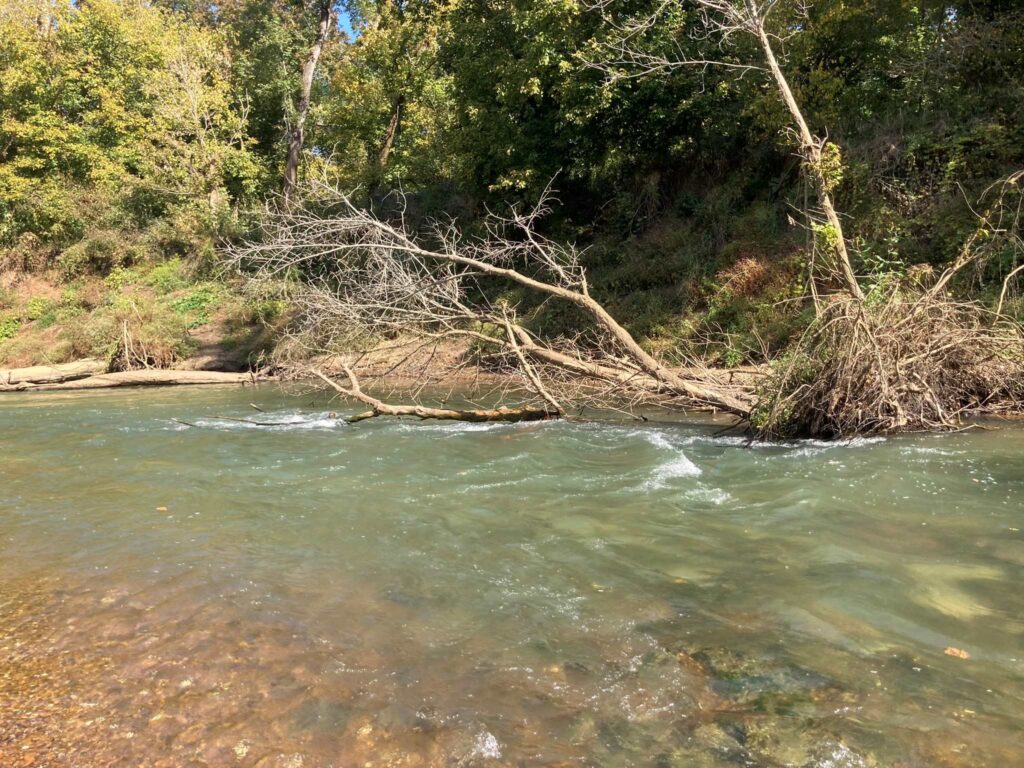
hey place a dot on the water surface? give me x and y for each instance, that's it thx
(424, 594)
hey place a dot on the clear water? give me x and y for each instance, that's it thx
(419, 594)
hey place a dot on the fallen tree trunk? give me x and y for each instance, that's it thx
(143, 378)
(380, 408)
(51, 374)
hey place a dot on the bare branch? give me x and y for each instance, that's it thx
(356, 279)
(380, 408)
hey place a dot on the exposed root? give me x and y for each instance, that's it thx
(894, 364)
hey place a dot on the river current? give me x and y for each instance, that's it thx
(183, 589)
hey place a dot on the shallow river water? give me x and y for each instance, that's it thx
(424, 594)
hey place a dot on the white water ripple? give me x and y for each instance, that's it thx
(676, 467)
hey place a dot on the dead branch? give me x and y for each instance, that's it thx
(363, 279)
(901, 364)
(380, 408)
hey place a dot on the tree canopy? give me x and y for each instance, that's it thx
(137, 115)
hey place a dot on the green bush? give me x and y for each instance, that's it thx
(196, 306)
(9, 325)
(167, 277)
(41, 311)
(119, 277)
(97, 254)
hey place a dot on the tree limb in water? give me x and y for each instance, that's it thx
(380, 408)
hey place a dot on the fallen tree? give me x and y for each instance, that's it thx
(140, 378)
(903, 357)
(50, 374)
(364, 279)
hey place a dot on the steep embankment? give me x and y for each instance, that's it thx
(147, 316)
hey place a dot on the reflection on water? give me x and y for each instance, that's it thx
(399, 594)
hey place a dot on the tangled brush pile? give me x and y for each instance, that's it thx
(895, 363)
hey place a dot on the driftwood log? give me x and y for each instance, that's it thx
(51, 374)
(49, 378)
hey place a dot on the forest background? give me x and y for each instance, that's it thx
(137, 138)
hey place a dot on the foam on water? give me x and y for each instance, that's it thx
(486, 746)
(708, 494)
(281, 421)
(459, 427)
(676, 467)
(801, 447)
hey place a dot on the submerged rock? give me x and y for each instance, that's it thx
(836, 754)
(766, 685)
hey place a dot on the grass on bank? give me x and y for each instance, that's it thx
(143, 315)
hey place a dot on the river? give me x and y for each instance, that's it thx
(395, 593)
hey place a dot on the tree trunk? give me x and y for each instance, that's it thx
(147, 378)
(291, 166)
(810, 150)
(391, 133)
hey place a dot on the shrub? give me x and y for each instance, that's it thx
(120, 277)
(97, 254)
(9, 325)
(131, 331)
(195, 306)
(41, 311)
(167, 277)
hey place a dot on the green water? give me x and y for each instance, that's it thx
(419, 594)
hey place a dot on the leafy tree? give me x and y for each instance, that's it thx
(129, 101)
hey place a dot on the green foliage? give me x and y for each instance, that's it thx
(168, 277)
(119, 277)
(9, 325)
(122, 103)
(135, 136)
(41, 311)
(100, 253)
(195, 306)
(830, 166)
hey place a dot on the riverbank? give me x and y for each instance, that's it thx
(164, 315)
